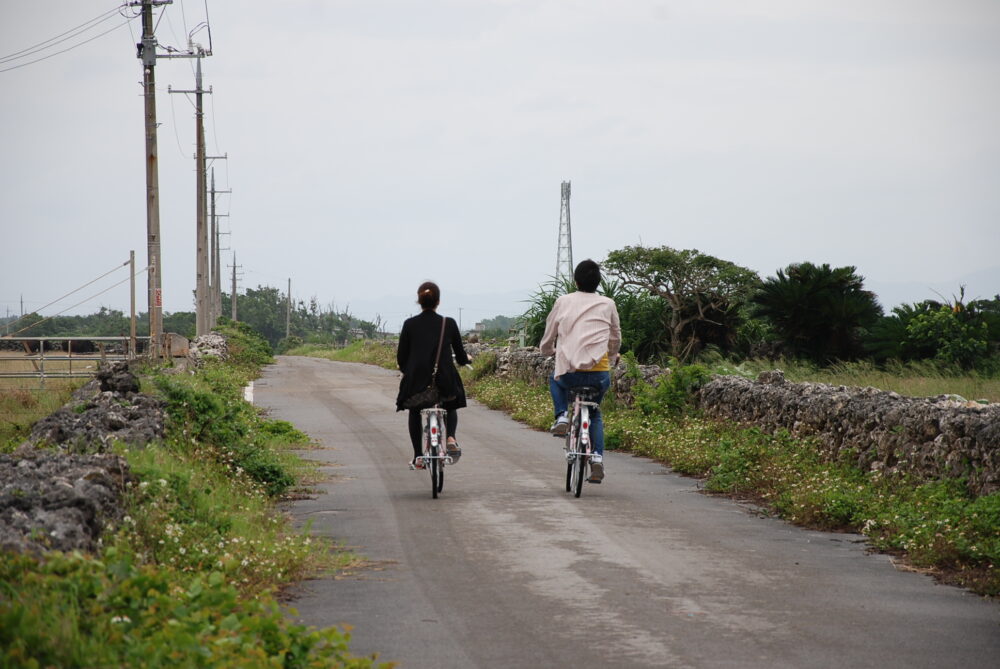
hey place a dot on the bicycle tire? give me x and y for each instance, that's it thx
(440, 475)
(435, 468)
(569, 465)
(580, 467)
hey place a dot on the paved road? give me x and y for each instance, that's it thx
(506, 569)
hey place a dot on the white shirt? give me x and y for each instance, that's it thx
(586, 327)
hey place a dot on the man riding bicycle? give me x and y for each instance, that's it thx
(584, 333)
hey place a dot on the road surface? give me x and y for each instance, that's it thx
(506, 569)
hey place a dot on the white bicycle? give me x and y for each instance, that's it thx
(435, 454)
(578, 447)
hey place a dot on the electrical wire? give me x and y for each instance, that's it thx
(173, 116)
(53, 41)
(77, 290)
(51, 55)
(49, 318)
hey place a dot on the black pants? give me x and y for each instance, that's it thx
(416, 429)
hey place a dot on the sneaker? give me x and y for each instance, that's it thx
(596, 469)
(417, 463)
(561, 426)
(454, 452)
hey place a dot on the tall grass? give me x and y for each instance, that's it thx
(913, 379)
(20, 408)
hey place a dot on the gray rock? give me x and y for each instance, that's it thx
(55, 501)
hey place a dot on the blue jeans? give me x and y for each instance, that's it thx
(560, 399)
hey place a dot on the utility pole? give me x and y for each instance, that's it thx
(147, 53)
(288, 311)
(216, 271)
(233, 300)
(131, 338)
(564, 256)
(202, 299)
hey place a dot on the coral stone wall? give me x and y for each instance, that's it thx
(931, 438)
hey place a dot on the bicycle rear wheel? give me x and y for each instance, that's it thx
(432, 467)
(579, 462)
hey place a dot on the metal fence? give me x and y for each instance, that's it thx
(63, 357)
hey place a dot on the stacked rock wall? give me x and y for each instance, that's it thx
(931, 438)
(62, 486)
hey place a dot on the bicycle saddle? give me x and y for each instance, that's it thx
(586, 393)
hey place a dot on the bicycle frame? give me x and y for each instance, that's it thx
(581, 408)
(578, 446)
(435, 434)
(435, 455)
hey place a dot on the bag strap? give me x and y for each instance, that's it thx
(437, 357)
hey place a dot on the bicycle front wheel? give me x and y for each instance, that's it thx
(570, 466)
(578, 472)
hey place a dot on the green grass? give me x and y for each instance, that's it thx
(189, 575)
(936, 526)
(21, 408)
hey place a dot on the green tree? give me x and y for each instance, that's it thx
(954, 339)
(816, 311)
(888, 338)
(695, 287)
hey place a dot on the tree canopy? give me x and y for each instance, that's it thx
(817, 311)
(695, 287)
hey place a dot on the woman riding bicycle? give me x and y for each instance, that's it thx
(584, 333)
(418, 344)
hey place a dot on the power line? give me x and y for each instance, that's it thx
(49, 318)
(77, 290)
(72, 32)
(70, 48)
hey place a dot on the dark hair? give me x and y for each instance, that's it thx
(429, 295)
(587, 276)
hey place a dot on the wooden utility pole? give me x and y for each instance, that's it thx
(288, 311)
(201, 291)
(233, 300)
(131, 338)
(213, 312)
(201, 287)
(147, 54)
(216, 269)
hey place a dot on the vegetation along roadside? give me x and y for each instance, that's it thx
(190, 572)
(934, 526)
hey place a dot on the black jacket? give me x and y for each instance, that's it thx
(418, 343)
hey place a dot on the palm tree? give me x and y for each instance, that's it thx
(817, 312)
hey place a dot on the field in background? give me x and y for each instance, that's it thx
(912, 379)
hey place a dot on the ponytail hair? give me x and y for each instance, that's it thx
(428, 295)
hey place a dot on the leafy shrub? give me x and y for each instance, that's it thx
(483, 365)
(672, 393)
(246, 345)
(70, 610)
(223, 421)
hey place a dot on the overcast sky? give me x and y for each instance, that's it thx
(373, 144)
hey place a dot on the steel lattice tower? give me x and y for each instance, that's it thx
(564, 257)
